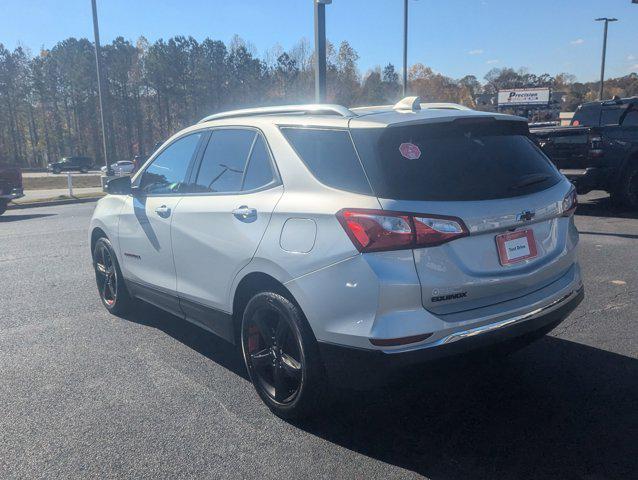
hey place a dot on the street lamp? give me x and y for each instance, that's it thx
(405, 48)
(602, 66)
(100, 85)
(320, 50)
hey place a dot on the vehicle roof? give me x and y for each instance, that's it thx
(609, 102)
(405, 117)
(362, 119)
(428, 105)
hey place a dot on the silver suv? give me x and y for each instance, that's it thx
(335, 245)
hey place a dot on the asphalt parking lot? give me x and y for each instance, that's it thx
(87, 394)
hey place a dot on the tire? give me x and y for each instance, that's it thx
(616, 199)
(56, 171)
(3, 205)
(282, 356)
(108, 277)
(629, 187)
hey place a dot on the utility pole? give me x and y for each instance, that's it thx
(320, 50)
(405, 48)
(100, 85)
(602, 65)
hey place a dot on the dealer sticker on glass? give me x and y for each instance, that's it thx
(410, 151)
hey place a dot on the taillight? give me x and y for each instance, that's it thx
(570, 202)
(381, 230)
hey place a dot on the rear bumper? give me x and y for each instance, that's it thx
(12, 194)
(587, 179)
(348, 366)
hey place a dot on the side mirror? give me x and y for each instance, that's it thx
(119, 186)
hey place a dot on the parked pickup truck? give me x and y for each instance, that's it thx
(10, 185)
(599, 150)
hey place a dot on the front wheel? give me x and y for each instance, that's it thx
(629, 188)
(110, 283)
(282, 356)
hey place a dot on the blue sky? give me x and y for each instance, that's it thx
(454, 37)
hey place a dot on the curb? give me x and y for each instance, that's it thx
(51, 203)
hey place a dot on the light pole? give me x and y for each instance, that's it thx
(602, 65)
(96, 34)
(405, 48)
(320, 50)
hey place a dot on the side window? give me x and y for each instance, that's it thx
(224, 161)
(611, 115)
(631, 119)
(259, 171)
(168, 171)
(330, 157)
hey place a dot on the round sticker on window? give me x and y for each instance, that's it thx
(410, 151)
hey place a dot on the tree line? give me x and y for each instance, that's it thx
(49, 104)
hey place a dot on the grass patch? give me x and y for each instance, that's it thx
(60, 181)
(61, 197)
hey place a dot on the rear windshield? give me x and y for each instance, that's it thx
(586, 117)
(474, 160)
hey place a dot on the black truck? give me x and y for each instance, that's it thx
(599, 150)
(10, 185)
(71, 164)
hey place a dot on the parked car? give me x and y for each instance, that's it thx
(123, 167)
(337, 246)
(10, 185)
(599, 150)
(71, 164)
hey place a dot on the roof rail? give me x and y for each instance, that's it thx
(444, 106)
(310, 109)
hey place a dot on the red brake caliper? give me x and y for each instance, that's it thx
(253, 338)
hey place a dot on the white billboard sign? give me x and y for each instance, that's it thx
(523, 96)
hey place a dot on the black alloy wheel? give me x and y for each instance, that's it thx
(108, 277)
(274, 355)
(105, 275)
(280, 354)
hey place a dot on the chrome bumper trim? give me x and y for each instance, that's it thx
(545, 309)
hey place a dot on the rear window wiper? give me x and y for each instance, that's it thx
(532, 179)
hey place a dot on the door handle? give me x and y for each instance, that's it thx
(245, 213)
(163, 211)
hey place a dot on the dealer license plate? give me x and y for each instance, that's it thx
(516, 246)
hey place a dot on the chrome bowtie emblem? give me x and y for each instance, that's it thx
(526, 215)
